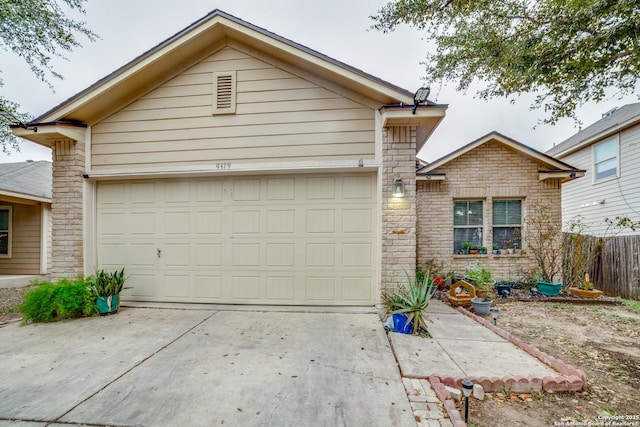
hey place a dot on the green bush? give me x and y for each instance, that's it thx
(50, 302)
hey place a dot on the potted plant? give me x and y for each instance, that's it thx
(503, 288)
(473, 249)
(106, 287)
(585, 289)
(482, 250)
(407, 303)
(465, 247)
(485, 288)
(495, 249)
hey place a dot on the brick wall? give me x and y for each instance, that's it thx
(398, 214)
(487, 172)
(66, 209)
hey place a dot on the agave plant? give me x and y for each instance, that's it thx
(411, 299)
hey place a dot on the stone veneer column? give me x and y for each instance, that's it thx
(398, 214)
(66, 210)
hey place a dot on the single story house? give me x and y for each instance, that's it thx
(231, 165)
(25, 218)
(482, 194)
(609, 151)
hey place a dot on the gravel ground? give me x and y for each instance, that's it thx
(10, 299)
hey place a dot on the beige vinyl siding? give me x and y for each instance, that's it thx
(279, 117)
(621, 195)
(25, 241)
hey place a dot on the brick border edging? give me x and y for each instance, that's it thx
(447, 401)
(573, 379)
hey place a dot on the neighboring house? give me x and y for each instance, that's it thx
(609, 151)
(229, 164)
(25, 229)
(482, 194)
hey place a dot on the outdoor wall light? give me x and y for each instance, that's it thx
(494, 314)
(467, 387)
(398, 187)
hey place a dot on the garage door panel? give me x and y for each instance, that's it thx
(280, 254)
(320, 289)
(357, 187)
(113, 223)
(358, 220)
(141, 285)
(209, 191)
(177, 192)
(142, 254)
(321, 221)
(321, 188)
(177, 255)
(279, 189)
(141, 193)
(280, 288)
(177, 223)
(246, 221)
(291, 239)
(177, 285)
(112, 195)
(209, 254)
(281, 221)
(208, 287)
(246, 190)
(208, 222)
(245, 287)
(140, 223)
(113, 253)
(356, 289)
(357, 255)
(245, 254)
(321, 255)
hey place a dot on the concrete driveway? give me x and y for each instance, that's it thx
(202, 367)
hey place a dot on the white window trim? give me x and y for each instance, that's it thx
(9, 245)
(594, 178)
(484, 219)
(520, 225)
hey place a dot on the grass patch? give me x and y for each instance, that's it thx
(631, 305)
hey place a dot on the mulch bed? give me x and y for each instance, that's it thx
(526, 296)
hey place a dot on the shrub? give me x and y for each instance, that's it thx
(50, 302)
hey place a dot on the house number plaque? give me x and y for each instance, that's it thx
(223, 165)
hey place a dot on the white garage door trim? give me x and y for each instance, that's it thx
(299, 239)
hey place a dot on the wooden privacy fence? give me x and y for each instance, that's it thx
(613, 263)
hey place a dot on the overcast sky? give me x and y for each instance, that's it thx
(336, 28)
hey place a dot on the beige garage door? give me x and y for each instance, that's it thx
(290, 239)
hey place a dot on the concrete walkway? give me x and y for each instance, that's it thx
(202, 367)
(461, 347)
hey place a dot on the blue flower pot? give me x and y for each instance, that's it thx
(401, 325)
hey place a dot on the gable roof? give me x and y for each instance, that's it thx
(26, 180)
(610, 123)
(193, 44)
(554, 167)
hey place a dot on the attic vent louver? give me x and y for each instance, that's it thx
(224, 92)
